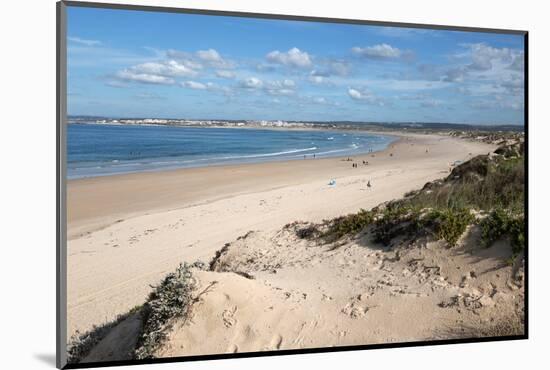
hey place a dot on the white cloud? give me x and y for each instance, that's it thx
(380, 51)
(225, 74)
(207, 86)
(116, 83)
(85, 42)
(330, 67)
(265, 67)
(355, 94)
(484, 55)
(321, 100)
(209, 55)
(252, 83)
(214, 59)
(201, 59)
(455, 75)
(194, 85)
(339, 67)
(169, 68)
(147, 78)
(292, 58)
(280, 91)
(288, 83)
(161, 73)
(282, 87)
(514, 85)
(318, 80)
(518, 63)
(365, 96)
(483, 61)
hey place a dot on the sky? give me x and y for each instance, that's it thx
(125, 63)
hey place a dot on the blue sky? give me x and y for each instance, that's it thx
(124, 63)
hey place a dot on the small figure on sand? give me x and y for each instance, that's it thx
(426, 150)
(368, 184)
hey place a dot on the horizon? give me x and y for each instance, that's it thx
(290, 120)
(139, 64)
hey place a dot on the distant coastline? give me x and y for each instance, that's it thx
(283, 124)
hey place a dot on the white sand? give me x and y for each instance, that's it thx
(126, 232)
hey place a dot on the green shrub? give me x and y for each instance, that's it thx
(480, 183)
(81, 344)
(307, 232)
(170, 300)
(348, 225)
(500, 224)
(396, 220)
(449, 224)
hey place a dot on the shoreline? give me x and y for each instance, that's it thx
(391, 136)
(308, 164)
(125, 232)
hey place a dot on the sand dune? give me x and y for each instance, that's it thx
(300, 294)
(126, 232)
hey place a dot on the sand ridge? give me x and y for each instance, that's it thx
(272, 290)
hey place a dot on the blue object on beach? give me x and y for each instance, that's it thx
(332, 182)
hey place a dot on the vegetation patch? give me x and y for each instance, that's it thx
(307, 232)
(170, 300)
(449, 224)
(347, 225)
(395, 220)
(444, 208)
(501, 224)
(483, 183)
(80, 345)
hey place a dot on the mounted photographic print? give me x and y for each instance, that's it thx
(234, 184)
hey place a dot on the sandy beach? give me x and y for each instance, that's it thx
(125, 232)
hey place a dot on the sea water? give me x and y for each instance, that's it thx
(103, 149)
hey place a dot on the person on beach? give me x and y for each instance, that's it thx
(368, 184)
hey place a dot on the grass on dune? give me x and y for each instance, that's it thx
(492, 184)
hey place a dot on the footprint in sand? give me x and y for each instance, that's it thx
(228, 317)
(276, 342)
(355, 310)
(233, 348)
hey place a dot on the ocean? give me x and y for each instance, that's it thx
(102, 149)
